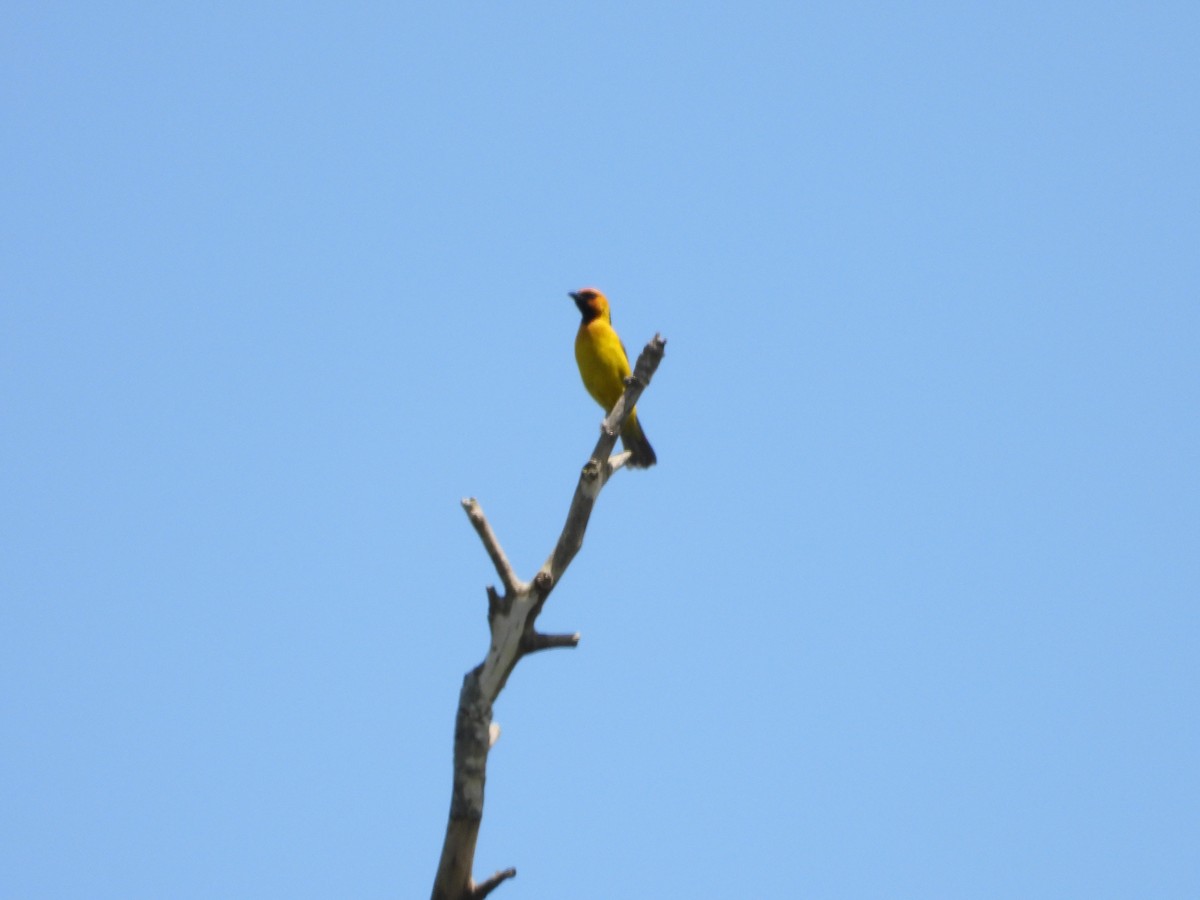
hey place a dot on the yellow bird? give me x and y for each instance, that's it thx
(605, 366)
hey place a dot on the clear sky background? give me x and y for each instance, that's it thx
(907, 609)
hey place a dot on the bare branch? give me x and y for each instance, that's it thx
(492, 544)
(535, 641)
(485, 888)
(618, 461)
(511, 620)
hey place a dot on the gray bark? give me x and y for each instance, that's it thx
(511, 619)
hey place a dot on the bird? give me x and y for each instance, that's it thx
(604, 366)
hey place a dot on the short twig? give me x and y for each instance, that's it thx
(533, 641)
(492, 544)
(485, 887)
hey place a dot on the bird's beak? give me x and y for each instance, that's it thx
(574, 295)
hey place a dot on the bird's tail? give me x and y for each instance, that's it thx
(641, 454)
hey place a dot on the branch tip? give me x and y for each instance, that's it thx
(479, 891)
(492, 545)
(533, 641)
(649, 359)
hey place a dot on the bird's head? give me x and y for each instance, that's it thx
(592, 304)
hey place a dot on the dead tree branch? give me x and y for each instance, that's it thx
(511, 619)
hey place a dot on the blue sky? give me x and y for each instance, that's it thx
(907, 609)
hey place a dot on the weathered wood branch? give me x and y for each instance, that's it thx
(511, 619)
(491, 543)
